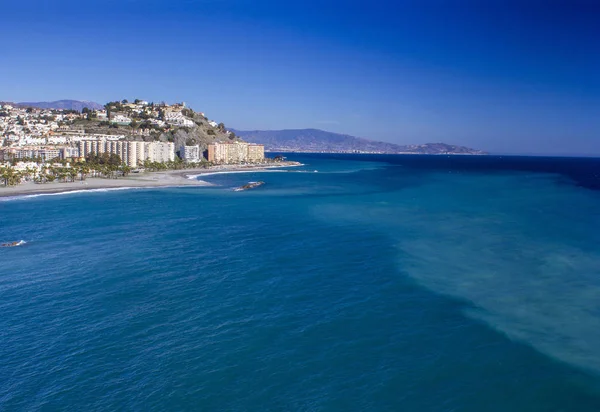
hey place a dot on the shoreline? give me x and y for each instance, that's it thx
(192, 174)
(168, 178)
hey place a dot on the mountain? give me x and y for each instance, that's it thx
(63, 104)
(314, 140)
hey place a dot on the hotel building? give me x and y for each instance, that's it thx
(132, 153)
(235, 152)
(191, 153)
(43, 153)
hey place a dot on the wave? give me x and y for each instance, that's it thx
(265, 169)
(13, 244)
(72, 192)
(194, 177)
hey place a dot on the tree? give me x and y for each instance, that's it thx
(124, 101)
(136, 101)
(125, 169)
(72, 173)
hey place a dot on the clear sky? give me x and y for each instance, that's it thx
(503, 76)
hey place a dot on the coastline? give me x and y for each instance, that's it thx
(169, 178)
(192, 174)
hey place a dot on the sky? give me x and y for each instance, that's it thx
(497, 75)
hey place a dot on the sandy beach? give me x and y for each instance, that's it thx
(171, 178)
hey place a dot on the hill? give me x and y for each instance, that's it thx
(145, 124)
(315, 140)
(63, 104)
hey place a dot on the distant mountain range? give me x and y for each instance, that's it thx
(61, 104)
(314, 140)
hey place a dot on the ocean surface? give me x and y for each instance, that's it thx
(352, 283)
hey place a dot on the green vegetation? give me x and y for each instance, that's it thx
(9, 176)
(103, 159)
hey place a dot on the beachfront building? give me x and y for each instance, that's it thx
(160, 152)
(235, 152)
(132, 153)
(256, 153)
(69, 152)
(43, 153)
(190, 153)
(217, 153)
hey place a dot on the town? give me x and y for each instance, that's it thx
(46, 145)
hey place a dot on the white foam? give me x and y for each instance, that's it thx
(193, 177)
(263, 169)
(69, 192)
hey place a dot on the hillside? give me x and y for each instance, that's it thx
(63, 104)
(314, 140)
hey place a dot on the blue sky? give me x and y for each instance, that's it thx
(495, 75)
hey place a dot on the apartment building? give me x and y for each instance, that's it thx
(235, 152)
(191, 153)
(160, 152)
(44, 153)
(256, 152)
(132, 153)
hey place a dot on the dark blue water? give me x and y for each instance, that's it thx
(408, 283)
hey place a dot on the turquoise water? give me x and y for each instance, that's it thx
(351, 283)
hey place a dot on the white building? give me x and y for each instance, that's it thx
(69, 152)
(191, 153)
(132, 153)
(178, 119)
(160, 152)
(29, 140)
(120, 119)
(57, 140)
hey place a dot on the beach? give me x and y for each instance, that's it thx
(170, 178)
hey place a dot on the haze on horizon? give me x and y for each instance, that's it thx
(498, 76)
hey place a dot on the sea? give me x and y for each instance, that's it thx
(350, 283)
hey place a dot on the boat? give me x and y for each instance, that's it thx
(13, 244)
(249, 185)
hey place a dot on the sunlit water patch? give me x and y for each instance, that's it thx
(521, 247)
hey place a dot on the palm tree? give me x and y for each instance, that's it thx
(84, 170)
(72, 173)
(4, 175)
(125, 169)
(10, 176)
